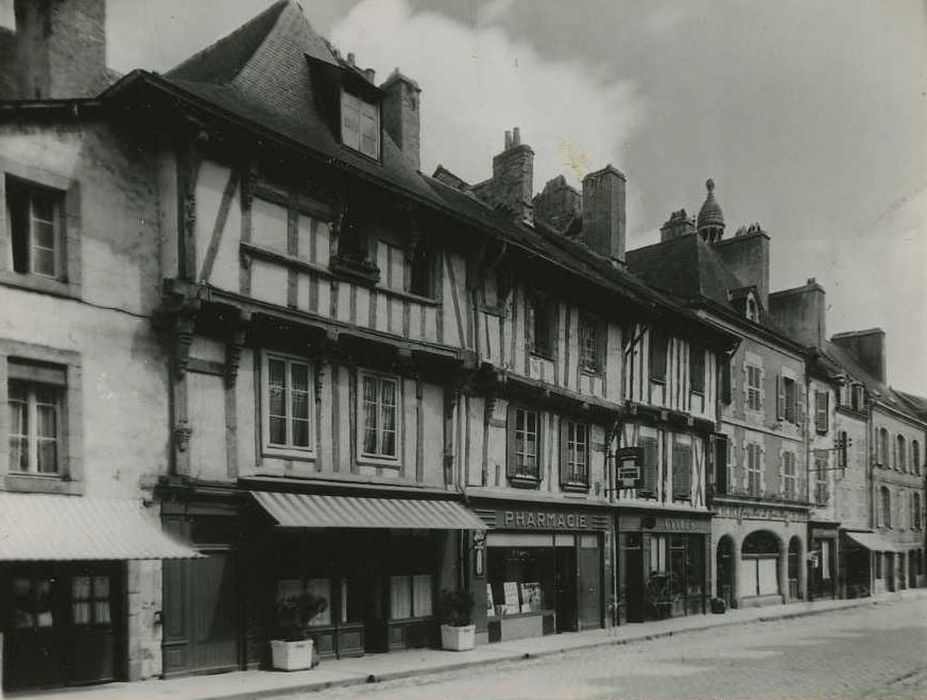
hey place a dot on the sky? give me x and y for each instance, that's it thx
(810, 116)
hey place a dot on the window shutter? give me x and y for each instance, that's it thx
(682, 471)
(726, 383)
(511, 468)
(800, 401)
(781, 490)
(649, 447)
(826, 411)
(762, 466)
(745, 462)
(530, 311)
(564, 452)
(720, 450)
(780, 397)
(602, 349)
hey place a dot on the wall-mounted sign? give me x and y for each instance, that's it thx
(542, 520)
(628, 467)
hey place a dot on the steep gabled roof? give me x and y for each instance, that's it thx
(261, 72)
(686, 267)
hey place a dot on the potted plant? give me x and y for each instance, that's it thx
(291, 648)
(455, 611)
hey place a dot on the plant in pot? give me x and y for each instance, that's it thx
(455, 610)
(291, 647)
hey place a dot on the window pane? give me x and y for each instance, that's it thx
(388, 418)
(300, 399)
(46, 418)
(400, 597)
(43, 234)
(276, 399)
(19, 427)
(47, 456)
(43, 206)
(370, 415)
(421, 595)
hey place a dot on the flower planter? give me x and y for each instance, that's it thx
(458, 638)
(291, 656)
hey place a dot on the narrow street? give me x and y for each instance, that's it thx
(871, 652)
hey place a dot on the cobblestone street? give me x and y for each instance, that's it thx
(870, 652)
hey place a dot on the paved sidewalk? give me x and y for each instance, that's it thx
(381, 667)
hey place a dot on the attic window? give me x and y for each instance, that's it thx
(753, 312)
(360, 125)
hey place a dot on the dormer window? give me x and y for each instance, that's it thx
(753, 311)
(360, 125)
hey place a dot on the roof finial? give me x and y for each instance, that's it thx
(710, 184)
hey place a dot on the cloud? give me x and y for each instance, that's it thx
(477, 82)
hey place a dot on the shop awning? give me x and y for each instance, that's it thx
(299, 510)
(871, 541)
(42, 527)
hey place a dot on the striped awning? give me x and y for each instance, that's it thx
(872, 541)
(43, 527)
(299, 510)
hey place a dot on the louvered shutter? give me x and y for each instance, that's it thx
(649, 447)
(511, 467)
(781, 490)
(800, 399)
(726, 383)
(682, 471)
(719, 445)
(780, 397)
(564, 452)
(530, 311)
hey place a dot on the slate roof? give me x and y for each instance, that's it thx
(261, 72)
(687, 267)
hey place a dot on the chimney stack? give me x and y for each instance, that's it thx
(401, 118)
(58, 51)
(679, 224)
(558, 205)
(512, 183)
(868, 347)
(604, 212)
(801, 313)
(747, 256)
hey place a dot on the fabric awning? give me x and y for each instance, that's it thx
(299, 510)
(871, 541)
(42, 527)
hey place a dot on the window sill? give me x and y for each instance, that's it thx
(524, 482)
(374, 461)
(35, 283)
(361, 271)
(493, 310)
(34, 483)
(288, 453)
(658, 380)
(575, 487)
(549, 356)
(408, 296)
(593, 370)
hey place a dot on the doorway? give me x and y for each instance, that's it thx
(725, 571)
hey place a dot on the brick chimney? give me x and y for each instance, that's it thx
(401, 115)
(679, 224)
(604, 212)
(558, 205)
(58, 50)
(512, 185)
(747, 256)
(868, 347)
(801, 313)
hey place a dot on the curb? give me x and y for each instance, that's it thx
(527, 656)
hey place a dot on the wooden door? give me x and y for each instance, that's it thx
(590, 582)
(201, 614)
(634, 577)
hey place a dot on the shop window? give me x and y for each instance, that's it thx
(697, 369)
(789, 488)
(658, 351)
(901, 463)
(821, 411)
(317, 587)
(524, 440)
(360, 125)
(883, 455)
(885, 510)
(379, 417)
(288, 388)
(592, 344)
(649, 467)
(410, 596)
(90, 600)
(34, 214)
(753, 388)
(32, 604)
(541, 324)
(35, 396)
(574, 461)
(682, 470)
(754, 469)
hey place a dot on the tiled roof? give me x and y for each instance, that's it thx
(686, 267)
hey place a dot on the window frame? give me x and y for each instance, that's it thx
(542, 309)
(821, 411)
(31, 436)
(658, 343)
(885, 507)
(595, 364)
(289, 449)
(696, 363)
(901, 446)
(354, 101)
(379, 458)
(516, 472)
(30, 193)
(568, 474)
(650, 471)
(754, 472)
(821, 481)
(789, 475)
(751, 390)
(682, 478)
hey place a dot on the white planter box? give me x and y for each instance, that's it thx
(291, 656)
(458, 638)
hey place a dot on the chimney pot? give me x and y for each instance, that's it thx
(516, 136)
(370, 74)
(508, 139)
(351, 59)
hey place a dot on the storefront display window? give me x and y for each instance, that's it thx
(410, 596)
(319, 587)
(90, 600)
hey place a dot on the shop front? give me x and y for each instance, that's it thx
(541, 569)
(662, 565)
(378, 564)
(65, 593)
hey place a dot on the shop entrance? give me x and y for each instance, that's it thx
(725, 569)
(63, 624)
(590, 573)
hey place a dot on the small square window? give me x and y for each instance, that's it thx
(34, 215)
